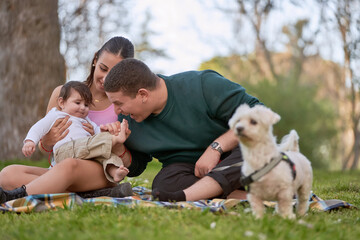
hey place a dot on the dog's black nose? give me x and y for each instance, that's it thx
(239, 129)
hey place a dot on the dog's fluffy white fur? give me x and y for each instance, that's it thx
(253, 127)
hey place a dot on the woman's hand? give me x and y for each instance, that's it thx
(89, 128)
(57, 132)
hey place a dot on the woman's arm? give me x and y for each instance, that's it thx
(57, 132)
(41, 127)
(60, 128)
(53, 99)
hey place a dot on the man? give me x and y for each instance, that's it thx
(182, 120)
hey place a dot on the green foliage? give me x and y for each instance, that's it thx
(147, 177)
(39, 163)
(297, 104)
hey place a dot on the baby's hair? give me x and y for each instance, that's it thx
(80, 87)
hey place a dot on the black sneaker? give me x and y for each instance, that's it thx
(121, 190)
(168, 196)
(12, 194)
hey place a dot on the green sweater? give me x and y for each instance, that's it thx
(198, 108)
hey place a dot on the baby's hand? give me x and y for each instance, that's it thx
(124, 132)
(124, 128)
(28, 148)
(112, 128)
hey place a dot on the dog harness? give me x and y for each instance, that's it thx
(246, 181)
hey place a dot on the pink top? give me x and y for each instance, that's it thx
(105, 116)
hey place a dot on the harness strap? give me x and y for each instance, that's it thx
(246, 181)
(291, 163)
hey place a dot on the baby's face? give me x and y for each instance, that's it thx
(75, 105)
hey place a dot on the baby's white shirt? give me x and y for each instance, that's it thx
(76, 130)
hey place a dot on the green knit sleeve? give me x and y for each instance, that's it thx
(223, 96)
(138, 163)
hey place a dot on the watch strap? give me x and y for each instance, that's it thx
(216, 146)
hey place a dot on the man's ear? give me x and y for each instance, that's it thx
(61, 102)
(143, 94)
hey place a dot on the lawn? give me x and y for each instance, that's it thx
(99, 222)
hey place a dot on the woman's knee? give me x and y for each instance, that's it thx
(8, 176)
(68, 165)
(83, 175)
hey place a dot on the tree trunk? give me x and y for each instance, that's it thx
(356, 150)
(31, 67)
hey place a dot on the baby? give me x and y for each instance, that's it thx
(74, 100)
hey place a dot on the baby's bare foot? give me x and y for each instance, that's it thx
(120, 173)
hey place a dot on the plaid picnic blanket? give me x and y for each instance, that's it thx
(142, 197)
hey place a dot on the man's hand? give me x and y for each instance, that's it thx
(208, 160)
(28, 148)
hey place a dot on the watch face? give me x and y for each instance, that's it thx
(214, 145)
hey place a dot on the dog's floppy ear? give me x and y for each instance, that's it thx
(270, 116)
(273, 116)
(242, 108)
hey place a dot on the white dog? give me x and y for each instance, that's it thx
(270, 174)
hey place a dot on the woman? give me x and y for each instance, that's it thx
(72, 175)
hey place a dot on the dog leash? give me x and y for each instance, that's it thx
(239, 164)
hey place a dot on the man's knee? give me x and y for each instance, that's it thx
(175, 177)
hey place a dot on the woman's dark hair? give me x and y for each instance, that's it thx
(80, 87)
(119, 46)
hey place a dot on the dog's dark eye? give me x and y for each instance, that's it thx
(253, 122)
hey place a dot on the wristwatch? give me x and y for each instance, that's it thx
(216, 146)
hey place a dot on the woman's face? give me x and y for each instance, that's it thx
(103, 65)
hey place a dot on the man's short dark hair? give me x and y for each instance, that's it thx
(80, 87)
(129, 76)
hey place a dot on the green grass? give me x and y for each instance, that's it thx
(97, 222)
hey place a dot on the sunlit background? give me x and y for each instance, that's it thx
(299, 57)
(189, 32)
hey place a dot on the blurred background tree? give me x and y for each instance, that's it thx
(344, 16)
(31, 67)
(87, 24)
